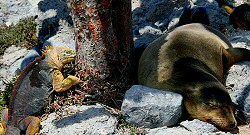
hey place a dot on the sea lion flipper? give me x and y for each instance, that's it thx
(235, 55)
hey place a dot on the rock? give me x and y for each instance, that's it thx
(149, 28)
(9, 63)
(194, 127)
(161, 9)
(135, 4)
(151, 108)
(218, 18)
(169, 131)
(11, 11)
(55, 27)
(238, 80)
(238, 76)
(90, 120)
(240, 39)
(53, 18)
(65, 38)
(156, 15)
(199, 127)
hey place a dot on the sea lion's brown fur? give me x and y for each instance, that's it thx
(192, 61)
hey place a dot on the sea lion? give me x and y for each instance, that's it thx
(192, 60)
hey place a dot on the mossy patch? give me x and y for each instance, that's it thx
(21, 34)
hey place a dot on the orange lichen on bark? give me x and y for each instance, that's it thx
(78, 7)
(92, 28)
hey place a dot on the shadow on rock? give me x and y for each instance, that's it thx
(51, 13)
(82, 116)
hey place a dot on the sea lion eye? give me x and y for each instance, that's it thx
(210, 104)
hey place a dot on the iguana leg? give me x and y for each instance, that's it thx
(4, 117)
(4, 120)
(31, 124)
(60, 84)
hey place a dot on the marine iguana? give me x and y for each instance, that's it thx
(33, 87)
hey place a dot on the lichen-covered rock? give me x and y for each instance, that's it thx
(89, 120)
(151, 108)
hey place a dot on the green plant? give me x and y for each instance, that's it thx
(5, 95)
(22, 34)
(132, 129)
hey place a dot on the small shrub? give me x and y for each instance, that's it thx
(22, 34)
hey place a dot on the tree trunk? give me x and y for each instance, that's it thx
(104, 43)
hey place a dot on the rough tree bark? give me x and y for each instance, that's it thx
(104, 43)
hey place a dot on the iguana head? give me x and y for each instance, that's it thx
(66, 55)
(59, 56)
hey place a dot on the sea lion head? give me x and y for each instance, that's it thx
(212, 105)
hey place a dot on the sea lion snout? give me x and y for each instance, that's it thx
(212, 105)
(225, 119)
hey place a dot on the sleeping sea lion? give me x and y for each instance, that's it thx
(192, 61)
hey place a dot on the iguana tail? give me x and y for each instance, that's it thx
(225, 5)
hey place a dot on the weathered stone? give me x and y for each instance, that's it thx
(169, 131)
(161, 9)
(238, 80)
(89, 120)
(218, 18)
(150, 29)
(11, 11)
(151, 108)
(199, 127)
(238, 76)
(53, 18)
(9, 63)
(65, 39)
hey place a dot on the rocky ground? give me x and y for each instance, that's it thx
(151, 18)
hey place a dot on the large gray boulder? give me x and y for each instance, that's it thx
(79, 120)
(151, 108)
